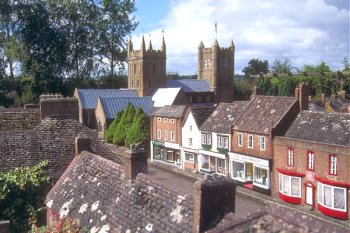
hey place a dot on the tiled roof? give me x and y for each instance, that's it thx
(224, 116)
(165, 96)
(201, 114)
(330, 128)
(190, 85)
(94, 192)
(88, 97)
(53, 140)
(263, 113)
(277, 218)
(113, 105)
(170, 111)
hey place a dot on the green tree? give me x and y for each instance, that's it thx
(139, 131)
(114, 26)
(282, 65)
(108, 135)
(21, 191)
(321, 68)
(124, 124)
(256, 66)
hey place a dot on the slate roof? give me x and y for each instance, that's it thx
(93, 192)
(53, 140)
(277, 218)
(264, 113)
(223, 117)
(112, 105)
(330, 128)
(165, 96)
(190, 85)
(170, 111)
(88, 97)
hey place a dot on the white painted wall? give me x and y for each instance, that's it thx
(194, 134)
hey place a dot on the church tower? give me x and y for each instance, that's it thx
(216, 65)
(146, 68)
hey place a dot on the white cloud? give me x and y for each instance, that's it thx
(306, 31)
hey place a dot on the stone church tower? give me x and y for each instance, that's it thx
(146, 68)
(216, 65)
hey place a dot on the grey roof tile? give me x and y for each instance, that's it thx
(330, 128)
(176, 111)
(263, 113)
(223, 117)
(190, 85)
(88, 97)
(95, 188)
(113, 105)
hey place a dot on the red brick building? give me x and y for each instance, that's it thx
(166, 137)
(251, 155)
(312, 163)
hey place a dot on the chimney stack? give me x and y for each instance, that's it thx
(213, 198)
(134, 160)
(81, 144)
(256, 91)
(58, 106)
(302, 93)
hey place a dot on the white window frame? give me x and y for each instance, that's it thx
(262, 142)
(333, 163)
(321, 199)
(282, 185)
(159, 134)
(222, 142)
(191, 160)
(172, 120)
(165, 119)
(190, 127)
(240, 139)
(290, 157)
(172, 136)
(165, 135)
(159, 119)
(204, 138)
(250, 136)
(310, 160)
(209, 139)
(190, 142)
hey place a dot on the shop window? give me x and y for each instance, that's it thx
(172, 136)
(205, 162)
(260, 176)
(189, 157)
(190, 141)
(290, 185)
(290, 157)
(262, 142)
(177, 157)
(221, 166)
(159, 134)
(240, 139)
(331, 196)
(250, 141)
(170, 156)
(332, 165)
(213, 164)
(238, 170)
(158, 153)
(310, 160)
(165, 135)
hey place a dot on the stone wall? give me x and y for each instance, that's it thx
(18, 119)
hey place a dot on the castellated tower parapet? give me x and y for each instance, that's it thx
(216, 65)
(146, 68)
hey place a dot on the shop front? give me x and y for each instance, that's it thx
(211, 162)
(332, 198)
(252, 172)
(289, 184)
(190, 159)
(163, 152)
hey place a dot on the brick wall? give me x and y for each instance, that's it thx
(255, 151)
(176, 127)
(53, 107)
(321, 161)
(18, 119)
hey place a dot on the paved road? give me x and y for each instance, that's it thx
(244, 204)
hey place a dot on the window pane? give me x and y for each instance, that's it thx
(286, 185)
(260, 176)
(205, 161)
(320, 195)
(238, 170)
(339, 198)
(189, 157)
(327, 196)
(295, 189)
(221, 166)
(212, 164)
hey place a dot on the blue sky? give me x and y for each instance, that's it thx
(306, 31)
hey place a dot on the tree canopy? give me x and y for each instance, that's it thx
(256, 66)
